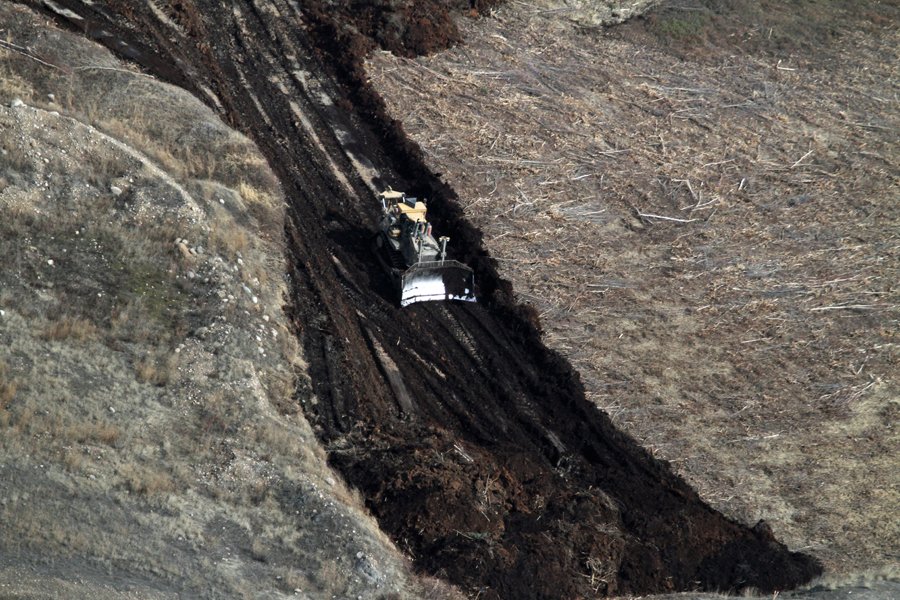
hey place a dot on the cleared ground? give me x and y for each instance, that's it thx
(702, 205)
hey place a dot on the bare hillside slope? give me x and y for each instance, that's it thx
(148, 447)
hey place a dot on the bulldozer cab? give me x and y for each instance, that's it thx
(413, 210)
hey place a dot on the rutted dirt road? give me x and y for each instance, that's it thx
(482, 459)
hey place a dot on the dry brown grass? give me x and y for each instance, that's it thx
(157, 368)
(255, 197)
(73, 459)
(9, 417)
(22, 419)
(146, 481)
(229, 164)
(70, 327)
(12, 85)
(12, 154)
(136, 135)
(106, 166)
(104, 433)
(8, 387)
(228, 238)
(266, 208)
(129, 322)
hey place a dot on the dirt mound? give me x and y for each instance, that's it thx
(501, 477)
(408, 29)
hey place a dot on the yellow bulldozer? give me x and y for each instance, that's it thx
(415, 259)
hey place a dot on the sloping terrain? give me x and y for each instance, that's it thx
(148, 447)
(702, 205)
(502, 477)
(717, 256)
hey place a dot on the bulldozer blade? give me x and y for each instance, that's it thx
(441, 280)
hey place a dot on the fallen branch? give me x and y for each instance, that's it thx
(802, 158)
(689, 187)
(719, 162)
(24, 52)
(849, 307)
(664, 218)
(780, 68)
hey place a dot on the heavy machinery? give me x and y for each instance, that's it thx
(417, 261)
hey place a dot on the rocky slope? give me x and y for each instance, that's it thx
(149, 444)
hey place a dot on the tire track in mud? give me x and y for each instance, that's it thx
(504, 479)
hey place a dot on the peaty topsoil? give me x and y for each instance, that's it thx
(471, 442)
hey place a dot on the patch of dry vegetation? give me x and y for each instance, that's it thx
(8, 388)
(103, 433)
(702, 206)
(67, 327)
(156, 369)
(146, 482)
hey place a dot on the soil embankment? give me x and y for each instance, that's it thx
(503, 478)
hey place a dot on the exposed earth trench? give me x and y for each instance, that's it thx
(472, 443)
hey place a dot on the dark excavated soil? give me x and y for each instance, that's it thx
(472, 443)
